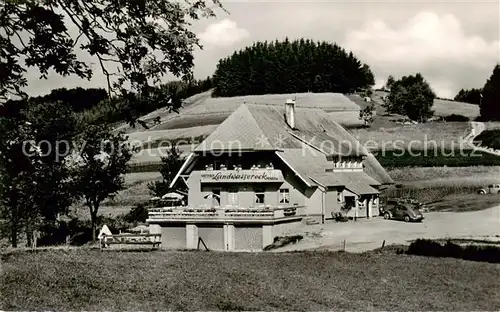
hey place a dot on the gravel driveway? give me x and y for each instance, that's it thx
(363, 235)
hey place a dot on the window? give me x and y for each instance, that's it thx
(260, 196)
(232, 197)
(284, 196)
(216, 198)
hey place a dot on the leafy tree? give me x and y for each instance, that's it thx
(79, 99)
(366, 114)
(390, 82)
(490, 104)
(290, 67)
(99, 173)
(411, 96)
(54, 127)
(171, 164)
(16, 182)
(137, 214)
(34, 178)
(472, 96)
(143, 40)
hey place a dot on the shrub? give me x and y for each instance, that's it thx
(138, 214)
(280, 241)
(489, 138)
(456, 117)
(430, 248)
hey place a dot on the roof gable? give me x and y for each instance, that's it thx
(240, 131)
(263, 127)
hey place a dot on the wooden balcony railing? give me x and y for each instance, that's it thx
(185, 213)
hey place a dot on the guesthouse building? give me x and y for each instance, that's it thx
(265, 169)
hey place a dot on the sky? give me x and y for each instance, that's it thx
(454, 44)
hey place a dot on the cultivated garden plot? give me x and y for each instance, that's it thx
(442, 135)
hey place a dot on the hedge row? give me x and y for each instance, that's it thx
(430, 248)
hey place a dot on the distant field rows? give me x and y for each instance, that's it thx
(431, 134)
(172, 134)
(449, 174)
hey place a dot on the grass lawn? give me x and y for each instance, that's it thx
(91, 280)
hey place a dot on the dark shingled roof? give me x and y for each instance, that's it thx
(257, 127)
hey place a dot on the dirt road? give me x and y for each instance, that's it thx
(363, 235)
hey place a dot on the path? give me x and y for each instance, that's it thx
(477, 129)
(366, 235)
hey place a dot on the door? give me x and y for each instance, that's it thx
(399, 212)
(350, 202)
(216, 198)
(332, 203)
(232, 197)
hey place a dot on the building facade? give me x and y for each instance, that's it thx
(262, 171)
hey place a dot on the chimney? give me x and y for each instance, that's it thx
(290, 113)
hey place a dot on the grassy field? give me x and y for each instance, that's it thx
(92, 280)
(492, 125)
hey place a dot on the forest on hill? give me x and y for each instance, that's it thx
(291, 67)
(94, 105)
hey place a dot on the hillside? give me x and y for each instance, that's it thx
(202, 113)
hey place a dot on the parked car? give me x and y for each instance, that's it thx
(391, 203)
(404, 211)
(490, 189)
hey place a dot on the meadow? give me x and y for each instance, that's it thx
(80, 279)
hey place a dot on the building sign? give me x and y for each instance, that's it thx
(241, 176)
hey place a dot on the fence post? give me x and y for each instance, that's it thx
(344, 246)
(383, 243)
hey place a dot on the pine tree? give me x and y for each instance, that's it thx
(290, 67)
(490, 102)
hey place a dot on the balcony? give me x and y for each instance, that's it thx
(232, 214)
